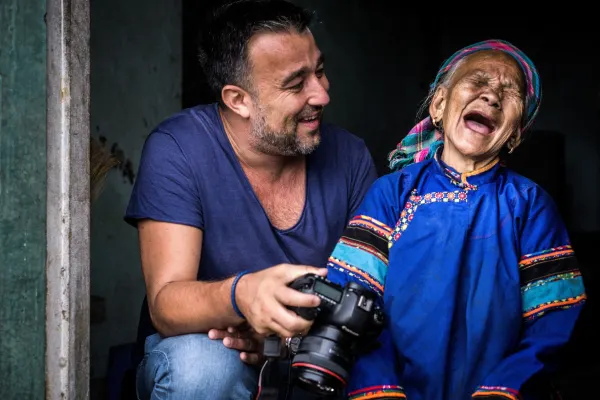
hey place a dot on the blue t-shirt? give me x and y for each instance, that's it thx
(189, 174)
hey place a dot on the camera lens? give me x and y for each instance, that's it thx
(323, 360)
(316, 385)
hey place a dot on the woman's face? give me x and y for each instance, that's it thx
(482, 108)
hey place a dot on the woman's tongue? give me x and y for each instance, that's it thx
(477, 126)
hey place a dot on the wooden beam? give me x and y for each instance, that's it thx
(68, 200)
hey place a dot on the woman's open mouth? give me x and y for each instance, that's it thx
(479, 122)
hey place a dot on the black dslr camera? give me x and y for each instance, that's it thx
(346, 324)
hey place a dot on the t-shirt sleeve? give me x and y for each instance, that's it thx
(364, 175)
(165, 189)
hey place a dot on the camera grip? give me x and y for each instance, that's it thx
(305, 284)
(309, 314)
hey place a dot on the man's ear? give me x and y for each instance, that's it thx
(438, 104)
(237, 100)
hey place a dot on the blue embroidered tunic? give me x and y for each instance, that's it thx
(477, 277)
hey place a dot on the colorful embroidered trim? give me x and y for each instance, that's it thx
(460, 180)
(378, 392)
(455, 179)
(556, 292)
(544, 255)
(567, 292)
(357, 274)
(547, 268)
(496, 391)
(364, 244)
(550, 280)
(372, 224)
(367, 260)
(414, 201)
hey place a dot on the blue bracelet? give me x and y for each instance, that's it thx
(233, 285)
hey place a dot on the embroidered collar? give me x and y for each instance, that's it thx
(475, 178)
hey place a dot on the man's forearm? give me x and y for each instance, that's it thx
(193, 307)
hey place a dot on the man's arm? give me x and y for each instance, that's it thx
(180, 304)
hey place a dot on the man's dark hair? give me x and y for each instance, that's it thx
(224, 37)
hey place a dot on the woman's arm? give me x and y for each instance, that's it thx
(361, 256)
(552, 292)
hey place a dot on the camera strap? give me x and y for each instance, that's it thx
(273, 381)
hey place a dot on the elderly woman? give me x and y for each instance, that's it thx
(471, 261)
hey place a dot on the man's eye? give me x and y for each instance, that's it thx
(320, 72)
(297, 87)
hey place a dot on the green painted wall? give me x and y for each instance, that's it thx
(22, 198)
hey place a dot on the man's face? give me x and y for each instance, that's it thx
(289, 92)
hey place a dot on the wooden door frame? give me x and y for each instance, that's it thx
(68, 200)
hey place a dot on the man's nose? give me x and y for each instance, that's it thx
(318, 95)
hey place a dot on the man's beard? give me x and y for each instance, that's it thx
(286, 143)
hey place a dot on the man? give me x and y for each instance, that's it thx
(254, 183)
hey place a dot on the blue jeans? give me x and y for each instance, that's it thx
(193, 367)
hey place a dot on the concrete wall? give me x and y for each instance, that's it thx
(135, 83)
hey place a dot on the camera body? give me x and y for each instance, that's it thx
(346, 323)
(351, 308)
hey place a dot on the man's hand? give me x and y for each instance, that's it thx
(244, 339)
(263, 296)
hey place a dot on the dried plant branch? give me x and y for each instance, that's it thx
(101, 161)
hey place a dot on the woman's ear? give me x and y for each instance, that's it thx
(514, 141)
(438, 104)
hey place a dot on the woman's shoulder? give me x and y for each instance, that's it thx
(524, 188)
(405, 178)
